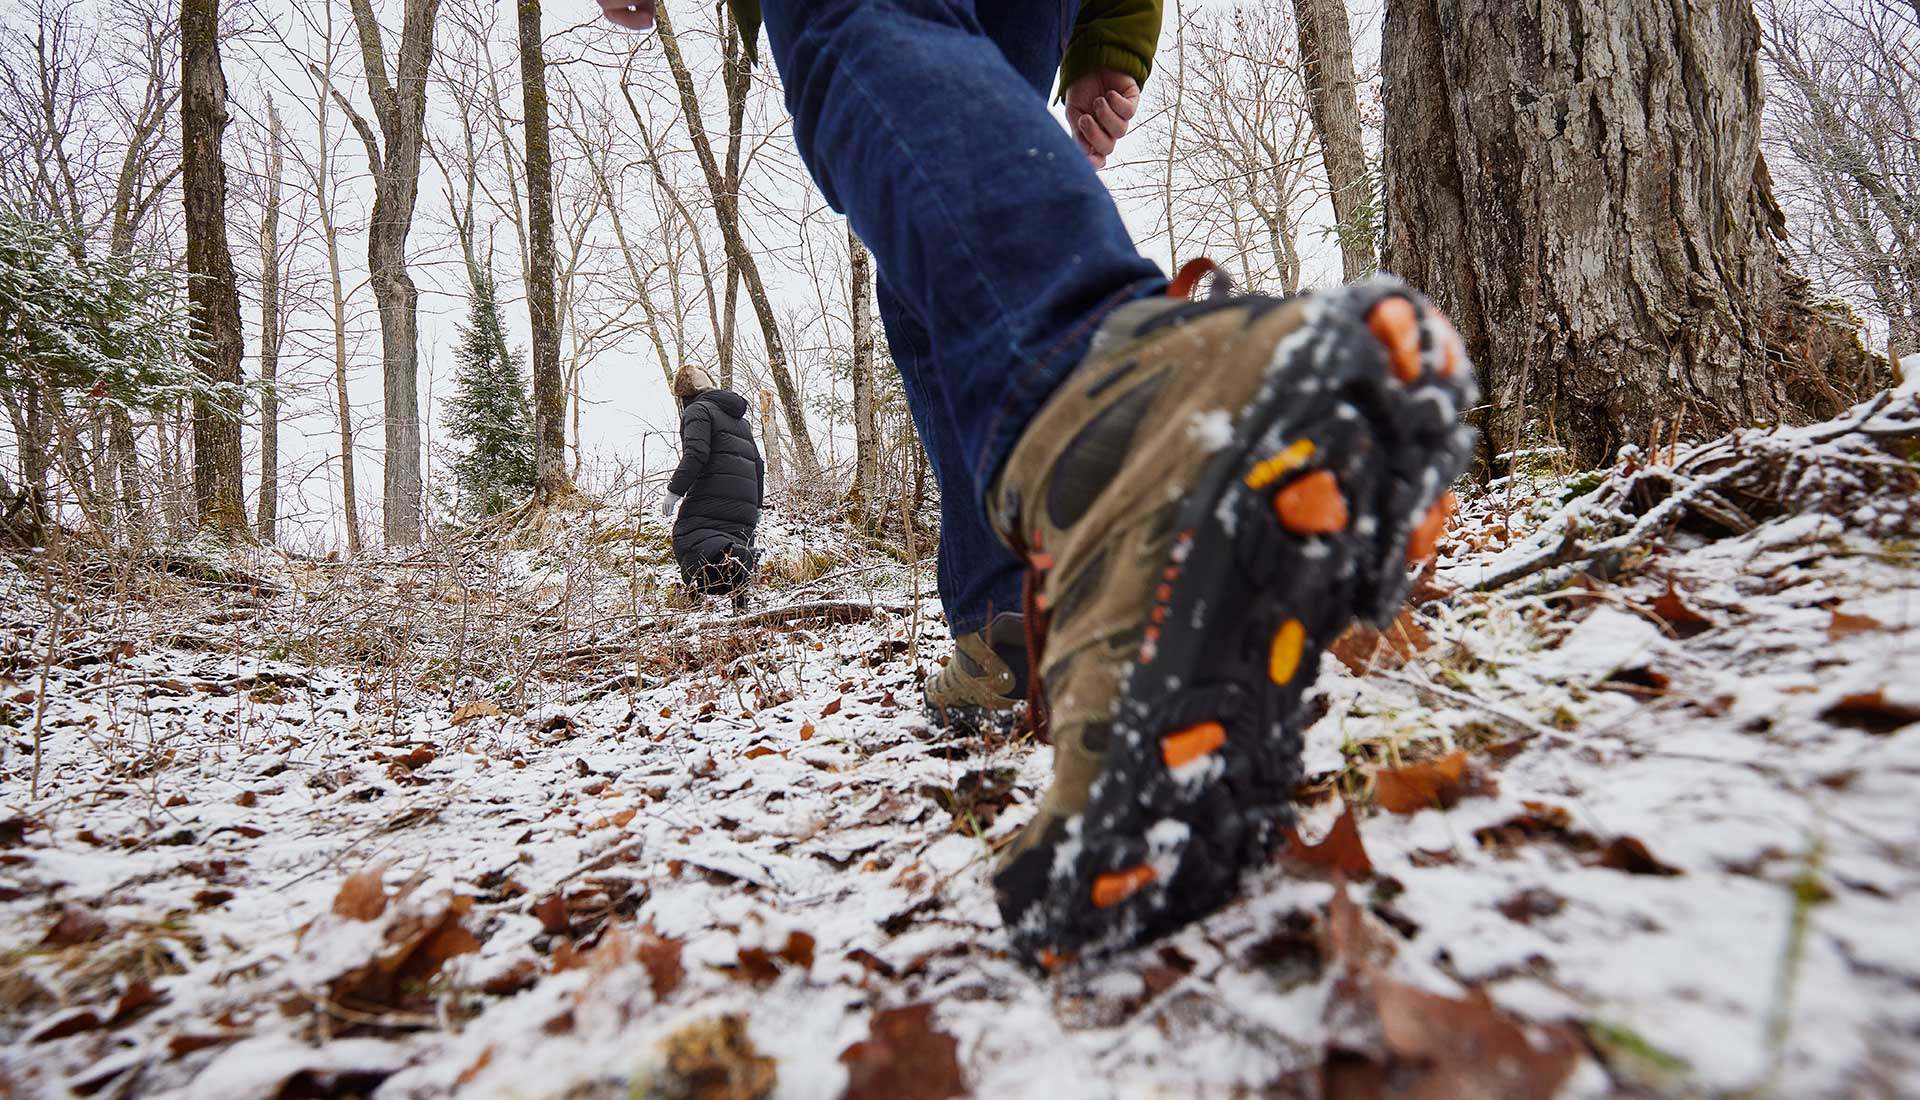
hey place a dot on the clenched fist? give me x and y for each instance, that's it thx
(1099, 106)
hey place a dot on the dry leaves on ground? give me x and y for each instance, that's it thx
(1340, 850)
(1400, 1042)
(903, 1058)
(479, 708)
(1429, 784)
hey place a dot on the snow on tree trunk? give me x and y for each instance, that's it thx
(1326, 60)
(549, 387)
(212, 296)
(1579, 184)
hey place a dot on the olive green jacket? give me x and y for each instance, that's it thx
(1109, 34)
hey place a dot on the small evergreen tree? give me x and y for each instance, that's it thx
(488, 412)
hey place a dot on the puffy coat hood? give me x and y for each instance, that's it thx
(727, 401)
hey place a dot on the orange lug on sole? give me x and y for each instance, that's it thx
(1192, 743)
(1283, 660)
(1270, 470)
(1115, 887)
(1396, 324)
(1426, 535)
(1313, 505)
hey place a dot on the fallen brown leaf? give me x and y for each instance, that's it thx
(661, 959)
(419, 940)
(479, 708)
(75, 926)
(552, 912)
(831, 708)
(758, 965)
(186, 1043)
(1427, 784)
(1871, 711)
(513, 979)
(903, 1058)
(1431, 1046)
(1363, 649)
(1843, 625)
(363, 896)
(1680, 617)
(1340, 850)
(1625, 853)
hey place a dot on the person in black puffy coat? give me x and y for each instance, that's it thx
(718, 487)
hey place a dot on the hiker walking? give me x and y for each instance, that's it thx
(717, 489)
(1190, 499)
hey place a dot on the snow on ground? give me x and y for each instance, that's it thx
(678, 856)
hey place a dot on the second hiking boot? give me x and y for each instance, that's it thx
(1212, 496)
(985, 682)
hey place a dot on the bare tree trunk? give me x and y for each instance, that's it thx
(770, 439)
(267, 518)
(1609, 249)
(549, 386)
(1326, 57)
(400, 106)
(866, 435)
(213, 299)
(737, 77)
(806, 465)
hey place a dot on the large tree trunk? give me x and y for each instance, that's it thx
(549, 387)
(1579, 184)
(266, 518)
(213, 300)
(400, 105)
(1326, 59)
(866, 436)
(806, 466)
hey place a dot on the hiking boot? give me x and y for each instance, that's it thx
(981, 686)
(1211, 497)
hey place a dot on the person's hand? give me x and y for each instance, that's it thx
(670, 505)
(634, 15)
(1099, 107)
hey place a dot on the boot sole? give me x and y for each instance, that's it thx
(1334, 482)
(968, 720)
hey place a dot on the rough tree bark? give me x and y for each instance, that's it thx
(213, 299)
(400, 107)
(866, 436)
(549, 387)
(1579, 184)
(267, 517)
(806, 466)
(1326, 60)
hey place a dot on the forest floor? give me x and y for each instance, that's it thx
(493, 821)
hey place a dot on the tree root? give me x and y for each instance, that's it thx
(1729, 487)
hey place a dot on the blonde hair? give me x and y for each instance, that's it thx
(691, 380)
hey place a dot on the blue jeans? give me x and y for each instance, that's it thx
(998, 249)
